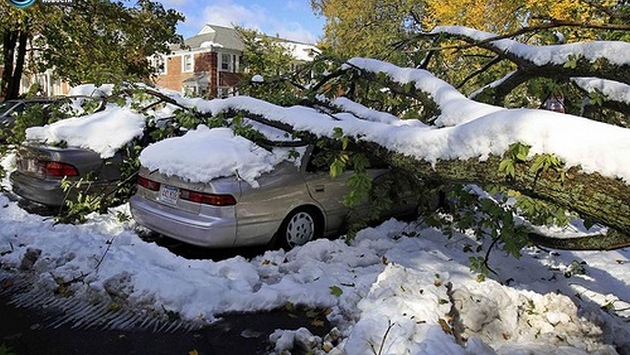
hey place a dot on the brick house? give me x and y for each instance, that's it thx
(211, 65)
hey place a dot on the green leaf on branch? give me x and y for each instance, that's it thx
(507, 167)
(339, 165)
(337, 132)
(544, 162)
(516, 153)
(571, 62)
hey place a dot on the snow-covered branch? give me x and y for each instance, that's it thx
(610, 94)
(604, 59)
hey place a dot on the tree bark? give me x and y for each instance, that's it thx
(592, 196)
(9, 41)
(13, 62)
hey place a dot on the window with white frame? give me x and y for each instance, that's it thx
(158, 64)
(188, 63)
(226, 62)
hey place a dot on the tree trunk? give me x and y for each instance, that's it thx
(12, 74)
(592, 196)
(9, 41)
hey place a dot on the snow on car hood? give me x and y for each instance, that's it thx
(204, 154)
(104, 132)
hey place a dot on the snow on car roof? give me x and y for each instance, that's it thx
(104, 132)
(204, 154)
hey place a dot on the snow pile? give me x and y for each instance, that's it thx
(104, 132)
(204, 154)
(406, 277)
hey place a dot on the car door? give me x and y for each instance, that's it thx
(329, 192)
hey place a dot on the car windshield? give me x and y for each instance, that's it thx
(6, 106)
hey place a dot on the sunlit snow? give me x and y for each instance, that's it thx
(104, 132)
(405, 277)
(396, 273)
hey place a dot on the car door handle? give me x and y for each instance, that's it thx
(320, 188)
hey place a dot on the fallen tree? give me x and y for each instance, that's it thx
(469, 148)
(571, 161)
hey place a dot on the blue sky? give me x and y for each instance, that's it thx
(291, 19)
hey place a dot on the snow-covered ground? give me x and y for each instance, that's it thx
(400, 287)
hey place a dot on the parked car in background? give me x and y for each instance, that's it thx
(62, 150)
(290, 206)
(10, 108)
(40, 169)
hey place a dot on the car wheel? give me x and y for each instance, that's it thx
(298, 228)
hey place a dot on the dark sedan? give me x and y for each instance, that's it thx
(41, 168)
(10, 108)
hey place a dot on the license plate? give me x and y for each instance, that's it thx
(169, 194)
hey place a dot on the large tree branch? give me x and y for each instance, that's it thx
(431, 108)
(593, 196)
(607, 10)
(613, 95)
(487, 66)
(552, 23)
(582, 66)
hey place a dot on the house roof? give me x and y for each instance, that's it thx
(227, 38)
(217, 36)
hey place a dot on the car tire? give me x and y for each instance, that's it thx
(298, 228)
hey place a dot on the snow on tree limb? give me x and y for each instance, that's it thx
(469, 145)
(454, 107)
(606, 93)
(481, 130)
(466, 153)
(616, 53)
(604, 59)
(368, 114)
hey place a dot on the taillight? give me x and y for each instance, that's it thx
(208, 199)
(57, 169)
(148, 184)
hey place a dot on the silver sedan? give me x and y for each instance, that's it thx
(291, 206)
